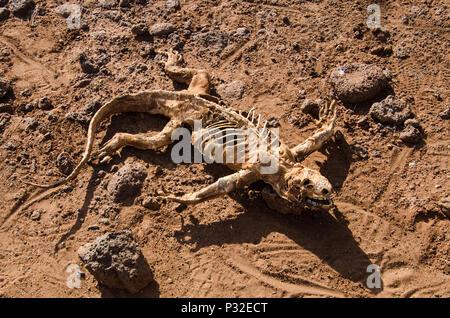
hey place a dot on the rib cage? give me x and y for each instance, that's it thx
(238, 139)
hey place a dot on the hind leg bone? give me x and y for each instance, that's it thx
(198, 80)
(139, 141)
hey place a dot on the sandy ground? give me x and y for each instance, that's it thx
(390, 197)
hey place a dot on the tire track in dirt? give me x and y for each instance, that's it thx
(33, 67)
(301, 288)
(398, 164)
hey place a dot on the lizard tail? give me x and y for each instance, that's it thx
(140, 102)
(127, 103)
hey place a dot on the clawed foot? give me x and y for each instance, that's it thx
(327, 114)
(173, 58)
(105, 154)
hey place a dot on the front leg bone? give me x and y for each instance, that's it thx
(320, 136)
(222, 186)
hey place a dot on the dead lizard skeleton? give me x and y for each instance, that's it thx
(296, 185)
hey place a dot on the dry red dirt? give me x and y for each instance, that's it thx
(391, 198)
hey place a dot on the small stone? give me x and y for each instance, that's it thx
(108, 4)
(412, 122)
(162, 29)
(64, 163)
(127, 182)
(401, 51)
(4, 14)
(411, 135)
(77, 117)
(45, 103)
(180, 207)
(173, 4)
(242, 31)
(87, 65)
(21, 8)
(215, 41)
(363, 122)
(5, 87)
(104, 221)
(36, 215)
(6, 108)
(391, 110)
(82, 83)
(151, 203)
(147, 50)
(10, 146)
(438, 186)
(65, 10)
(444, 204)
(311, 106)
(92, 107)
(140, 29)
(93, 228)
(231, 91)
(273, 122)
(67, 188)
(29, 123)
(382, 51)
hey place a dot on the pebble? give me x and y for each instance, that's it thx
(36, 215)
(5, 87)
(21, 8)
(45, 103)
(4, 14)
(162, 29)
(410, 135)
(151, 203)
(231, 91)
(173, 4)
(140, 29)
(391, 110)
(6, 108)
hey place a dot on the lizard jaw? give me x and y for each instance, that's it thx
(318, 203)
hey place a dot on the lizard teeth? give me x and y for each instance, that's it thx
(317, 202)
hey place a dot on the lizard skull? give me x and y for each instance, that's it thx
(308, 187)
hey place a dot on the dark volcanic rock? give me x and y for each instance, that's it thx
(4, 14)
(5, 87)
(77, 117)
(64, 163)
(45, 103)
(6, 108)
(311, 106)
(87, 65)
(216, 40)
(21, 8)
(391, 110)
(127, 182)
(357, 82)
(116, 261)
(140, 29)
(411, 135)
